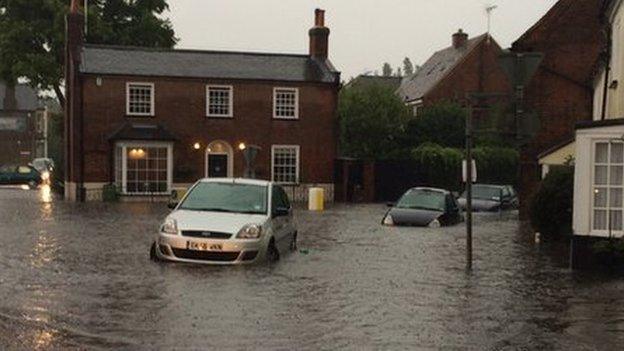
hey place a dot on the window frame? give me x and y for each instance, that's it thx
(293, 90)
(125, 145)
(152, 112)
(297, 149)
(608, 187)
(231, 100)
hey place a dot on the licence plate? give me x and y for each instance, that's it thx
(192, 245)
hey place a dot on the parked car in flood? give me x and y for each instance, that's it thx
(228, 221)
(486, 197)
(20, 175)
(424, 207)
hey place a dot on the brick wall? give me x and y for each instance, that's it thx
(570, 38)
(180, 107)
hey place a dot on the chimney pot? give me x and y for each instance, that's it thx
(460, 39)
(319, 35)
(319, 18)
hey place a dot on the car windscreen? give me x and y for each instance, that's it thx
(423, 200)
(485, 193)
(227, 197)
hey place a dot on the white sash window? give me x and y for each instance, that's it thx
(608, 187)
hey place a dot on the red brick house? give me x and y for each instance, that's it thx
(19, 109)
(561, 92)
(467, 66)
(151, 120)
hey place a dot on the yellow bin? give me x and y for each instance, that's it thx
(316, 199)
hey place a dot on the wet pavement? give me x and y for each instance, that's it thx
(78, 276)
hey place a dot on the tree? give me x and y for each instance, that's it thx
(32, 35)
(372, 118)
(408, 67)
(387, 70)
(443, 124)
(399, 73)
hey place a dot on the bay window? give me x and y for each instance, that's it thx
(143, 168)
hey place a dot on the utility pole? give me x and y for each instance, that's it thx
(469, 136)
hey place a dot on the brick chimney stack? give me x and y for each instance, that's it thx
(319, 34)
(460, 39)
(9, 99)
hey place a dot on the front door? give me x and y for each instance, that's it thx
(217, 166)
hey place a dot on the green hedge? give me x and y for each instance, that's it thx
(551, 206)
(441, 167)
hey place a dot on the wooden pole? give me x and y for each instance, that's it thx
(469, 136)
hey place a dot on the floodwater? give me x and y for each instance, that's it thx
(78, 276)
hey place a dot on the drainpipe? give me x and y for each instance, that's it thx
(607, 63)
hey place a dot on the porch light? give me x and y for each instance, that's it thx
(196, 146)
(137, 153)
(242, 146)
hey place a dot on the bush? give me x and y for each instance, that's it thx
(497, 165)
(609, 252)
(110, 193)
(443, 124)
(439, 166)
(551, 206)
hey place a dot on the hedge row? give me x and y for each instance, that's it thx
(442, 167)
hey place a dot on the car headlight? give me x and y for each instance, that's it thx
(389, 221)
(434, 224)
(45, 175)
(170, 226)
(250, 231)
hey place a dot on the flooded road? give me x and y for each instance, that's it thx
(78, 276)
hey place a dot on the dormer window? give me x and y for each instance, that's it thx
(140, 99)
(286, 103)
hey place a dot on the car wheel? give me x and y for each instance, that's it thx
(32, 184)
(153, 255)
(272, 252)
(293, 243)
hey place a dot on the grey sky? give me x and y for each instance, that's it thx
(365, 33)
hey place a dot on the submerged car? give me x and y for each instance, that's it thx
(227, 221)
(424, 207)
(491, 198)
(20, 175)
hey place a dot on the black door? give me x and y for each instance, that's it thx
(217, 166)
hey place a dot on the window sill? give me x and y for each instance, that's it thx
(286, 118)
(139, 116)
(219, 117)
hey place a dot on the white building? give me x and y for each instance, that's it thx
(599, 155)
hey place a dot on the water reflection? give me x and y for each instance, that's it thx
(45, 193)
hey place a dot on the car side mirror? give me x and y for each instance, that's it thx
(281, 212)
(390, 204)
(172, 205)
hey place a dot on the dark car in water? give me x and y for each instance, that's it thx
(491, 198)
(424, 207)
(20, 175)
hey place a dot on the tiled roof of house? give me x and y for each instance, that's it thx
(434, 70)
(97, 59)
(26, 97)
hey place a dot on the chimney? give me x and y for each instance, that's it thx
(9, 99)
(460, 39)
(319, 35)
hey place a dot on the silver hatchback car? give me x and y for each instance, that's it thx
(228, 221)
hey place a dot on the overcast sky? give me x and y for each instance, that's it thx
(364, 33)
